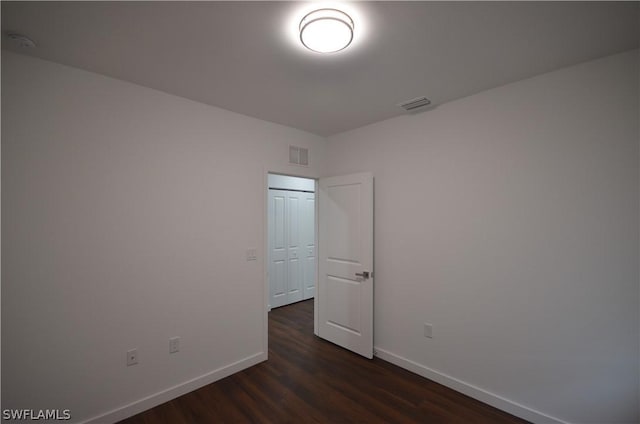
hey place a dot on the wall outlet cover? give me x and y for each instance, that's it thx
(132, 357)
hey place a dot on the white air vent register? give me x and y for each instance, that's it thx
(413, 104)
(298, 156)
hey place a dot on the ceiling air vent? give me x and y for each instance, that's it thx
(298, 156)
(414, 104)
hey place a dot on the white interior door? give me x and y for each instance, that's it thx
(345, 286)
(291, 246)
(277, 228)
(294, 268)
(308, 242)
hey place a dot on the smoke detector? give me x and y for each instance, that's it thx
(415, 104)
(20, 39)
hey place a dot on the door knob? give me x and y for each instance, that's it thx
(363, 274)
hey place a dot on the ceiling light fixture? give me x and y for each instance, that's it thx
(326, 30)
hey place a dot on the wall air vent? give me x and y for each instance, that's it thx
(298, 156)
(413, 104)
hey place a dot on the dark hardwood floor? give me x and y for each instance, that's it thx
(309, 380)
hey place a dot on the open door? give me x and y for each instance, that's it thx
(345, 283)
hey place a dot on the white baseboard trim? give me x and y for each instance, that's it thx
(161, 397)
(470, 390)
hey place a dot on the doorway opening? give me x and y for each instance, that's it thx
(291, 240)
(339, 257)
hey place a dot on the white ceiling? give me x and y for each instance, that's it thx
(240, 55)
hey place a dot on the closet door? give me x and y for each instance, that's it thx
(292, 247)
(277, 233)
(308, 232)
(294, 269)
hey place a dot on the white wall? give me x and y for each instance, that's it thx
(509, 221)
(126, 216)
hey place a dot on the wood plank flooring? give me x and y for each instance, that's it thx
(309, 380)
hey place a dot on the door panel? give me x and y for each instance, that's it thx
(346, 248)
(343, 304)
(294, 292)
(279, 221)
(309, 244)
(279, 293)
(343, 214)
(277, 248)
(309, 275)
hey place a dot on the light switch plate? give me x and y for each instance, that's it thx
(252, 254)
(174, 344)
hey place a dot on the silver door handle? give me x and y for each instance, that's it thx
(363, 274)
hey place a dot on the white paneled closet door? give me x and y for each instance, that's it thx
(294, 283)
(308, 242)
(277, 233)
(292, 249)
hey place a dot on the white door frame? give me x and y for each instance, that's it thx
(265, 250)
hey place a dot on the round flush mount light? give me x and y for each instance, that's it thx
(326, 30)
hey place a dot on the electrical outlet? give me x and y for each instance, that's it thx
(174, 344)
(428, 330)
(132, 357)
